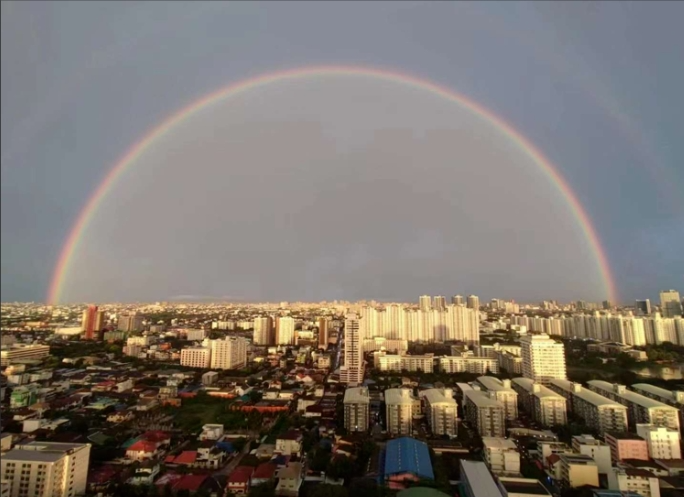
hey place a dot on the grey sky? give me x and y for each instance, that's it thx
(342, 187)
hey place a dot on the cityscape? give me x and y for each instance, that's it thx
(288, 399)
(342, 249)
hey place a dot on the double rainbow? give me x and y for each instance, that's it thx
(86, 215)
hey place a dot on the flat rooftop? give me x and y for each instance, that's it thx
(523, 486)
(481, 399)
(630, 396)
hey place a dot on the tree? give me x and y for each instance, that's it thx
(325, 490)
(340, 467)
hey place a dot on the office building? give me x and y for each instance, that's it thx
(353, 369)
(670, 304)
(230, 353)
(501, 390)
(543, 358)
(545, 406)
(130, 322)
(643, 307)
(625, 445)
(356, 409)
(196, 357)
(596, 449)
(662, 442)
(457, 300)
(93, 322)
(285, 330)
(597, 411)
(264, 331)
(440, 411)
(323, 337)
(639, 481)
(18, 353)
(425, 303)
(473, 302)
(641, 409)
(46, 468)
(501, 455)
(400, 407)
(486, 414)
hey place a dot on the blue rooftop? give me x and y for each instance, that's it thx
(408, 455)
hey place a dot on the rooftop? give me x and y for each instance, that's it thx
(408, 455)
(587, 395)
(523, 486)
(623, 435)
(479, 478)
(481, 399)
(495, 384)
(629, 396)
(439, 396)
(357, 395)
(397, 396)
(498, 443)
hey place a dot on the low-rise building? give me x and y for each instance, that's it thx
(662, 442)
(289, 443)
(625, 445)
(501, 455)
(468, 364)
(290, 479)
(238, 480)
(635, 480)
(596, 449)
(196, 357)
(578, 470)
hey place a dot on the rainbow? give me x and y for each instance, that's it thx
(86, 215)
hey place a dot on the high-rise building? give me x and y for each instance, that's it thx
(196, 357)
(439, 303)
(543, 358)
(230, 353)
(425, 303)
(486, 414)
(473, 302)
(440, 410)
(93, 322)
(46, 468)
(264, 333)
(356, 409)
(285, 330)
(670, 304)
(400, 406)
(130, 322)
(501, 390)
(663, 443)
(643, 307)
(323, 333)
(546, 407)
(457, 300)
(352, 371)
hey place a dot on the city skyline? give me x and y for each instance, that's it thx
(354, 168)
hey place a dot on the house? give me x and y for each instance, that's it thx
(186, 458)
(142, 450)
(145, 474)
(289, 443)
(263, 473)
(211, 432)
(209, 457)
(121, 416)
(289, 480)
(238, 481)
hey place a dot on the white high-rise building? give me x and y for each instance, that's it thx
(285, 330)
(543, 358)
(356, 409)
(663, 443)
(473, 302)
(400, 407)
(196, 357)
(425, 302)
(670, 303)
(439, 303)
(46, 468)
(502, 391)
(457, 300)
(264, 333)
(230, 353)
(352, 370)
(440, 410)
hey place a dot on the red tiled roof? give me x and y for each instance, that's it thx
(190, 482)
(155, 436)
(169, 459)
(241, 474)
(186, 457)
(142, 446)
(265, 470)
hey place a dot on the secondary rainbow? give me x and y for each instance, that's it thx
(138, 150)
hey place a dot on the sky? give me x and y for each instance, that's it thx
(342, 187)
